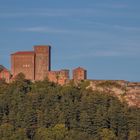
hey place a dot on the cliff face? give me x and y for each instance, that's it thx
(124, 90)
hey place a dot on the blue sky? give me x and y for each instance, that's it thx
(102, 36)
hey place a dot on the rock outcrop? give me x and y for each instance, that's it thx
(124, 90)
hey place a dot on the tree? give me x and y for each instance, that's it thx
(19, 134)
(58, 132)
(6, 131)
(134, 135)
(106, 134)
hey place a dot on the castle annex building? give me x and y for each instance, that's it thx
(5, 74)
(36, 65)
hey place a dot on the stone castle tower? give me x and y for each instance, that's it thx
(42, 61)
(79, 74)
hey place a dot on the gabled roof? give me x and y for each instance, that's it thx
(24, 53)
(2, 68)
(5, 70)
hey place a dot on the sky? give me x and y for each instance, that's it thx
(103, 36)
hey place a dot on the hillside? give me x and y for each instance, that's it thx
(46, 111)
(124, 90)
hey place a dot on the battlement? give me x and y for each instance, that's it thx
(42, 49)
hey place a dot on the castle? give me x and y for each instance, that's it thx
(36, 66)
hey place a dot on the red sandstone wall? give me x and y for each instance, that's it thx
(5, 74)
(42, 61)
(53, 76)
(23, 63)
(60, 77)
(63, 77)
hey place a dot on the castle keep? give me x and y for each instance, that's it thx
(33, 64)
(36, 65)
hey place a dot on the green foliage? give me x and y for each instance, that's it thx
(107, 134)
(6, 130)
(46, 111)
(58, 132)
(134, 135)
(19, 134)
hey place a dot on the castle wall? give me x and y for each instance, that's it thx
(63, 77)
(60, 77)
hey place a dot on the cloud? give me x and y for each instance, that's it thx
(100, 10)
(48, 29)
(34, 13)
(43, 30)
(97, 25)
(97, 53)
(36, 29)
(126, 28)
(108, 51)
(113, 5)
(113, 26)
(45, 13)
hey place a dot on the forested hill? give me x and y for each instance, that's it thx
(47, 111)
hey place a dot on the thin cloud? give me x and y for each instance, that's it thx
(43, 30)
(113, 5)
(44, 13)
(97, 11)
(38, 13)
(110, 51)
(96, 54)
(114, 26)
(31, 14)
(126, 28)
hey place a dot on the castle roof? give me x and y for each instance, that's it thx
(1, 68)
(23, 53)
